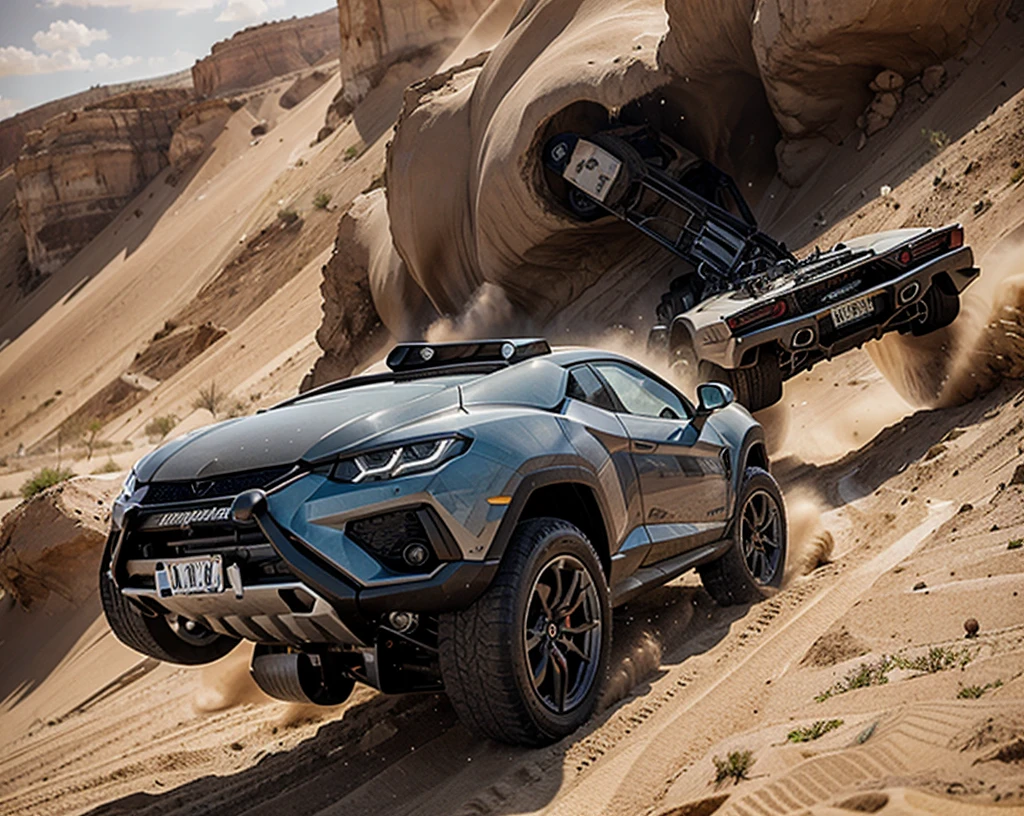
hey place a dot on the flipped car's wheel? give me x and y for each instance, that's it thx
(757, 387)
(940, 309)
(163, 638)
(525, 663)
(752, 568)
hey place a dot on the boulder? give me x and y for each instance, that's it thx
(53, 542)
(933, 78)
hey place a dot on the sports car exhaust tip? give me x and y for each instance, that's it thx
(803, 337)
(246, 505)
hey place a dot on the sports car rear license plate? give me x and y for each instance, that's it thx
(592, 169)
(854, 310)
(191, 576)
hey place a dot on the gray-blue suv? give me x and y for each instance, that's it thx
(464, 522)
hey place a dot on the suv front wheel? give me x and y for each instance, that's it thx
(525, 664)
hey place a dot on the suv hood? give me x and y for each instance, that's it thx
(293, 433)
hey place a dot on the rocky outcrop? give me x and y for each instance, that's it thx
(351, 325)
(76, 173)
(14, 129)
(255, 55)
(198, 126)
(375, 34)
(53, 542)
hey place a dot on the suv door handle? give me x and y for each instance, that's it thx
(643, 446)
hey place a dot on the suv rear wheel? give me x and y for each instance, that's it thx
(753, 566)
(526, 662)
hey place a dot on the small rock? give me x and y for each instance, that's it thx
(885, 105)
(1018, 475)
(887, 81)
(260, 128)
(884, 190)
(971, 627)
(862, 142)
(966, 508)
(875, 122)
(920, 585)
(932, 78)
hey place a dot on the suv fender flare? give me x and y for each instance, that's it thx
(753, 439)
(560, 474)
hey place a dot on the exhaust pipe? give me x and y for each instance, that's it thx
(803, 337)
(301, 677)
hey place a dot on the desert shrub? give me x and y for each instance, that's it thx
(287, 216)
(321, 200)
(1017, 175)
(159, 427)
(354, 151)
(45, 478)
(209, 398)
(937, 139)
(236, 409)
(813, 731)
(938, 658)
(110, 466)
(1016, 544)
(974, 692)
(8, 494)
(865, 674)
(91, 431)
(734, 767)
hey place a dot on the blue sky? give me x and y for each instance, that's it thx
(53, 48)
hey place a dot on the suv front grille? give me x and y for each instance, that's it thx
(231, 485)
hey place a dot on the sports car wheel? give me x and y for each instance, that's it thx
(525, 664)
(757, 387)
(166, 638)
(753, 566)
(940, 308)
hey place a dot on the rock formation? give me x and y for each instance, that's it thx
(375, 34)
(54, 541)
(76, 173)
(255, 55)
(198, 126)
(468, 201)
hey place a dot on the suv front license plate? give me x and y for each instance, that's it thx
(190, 576)
(853, 311)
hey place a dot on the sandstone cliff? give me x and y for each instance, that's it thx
(14, 129)
(76, 173)
(375, 34)
(257, 54)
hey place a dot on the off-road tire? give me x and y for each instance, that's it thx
(756, 387)
(482, 650)
(728, 579)
(153, 636)
(943, 307)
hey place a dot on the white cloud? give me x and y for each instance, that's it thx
(59, 51)
(9, 107)
(242, 11)
(15, 61)
(67, 35)
(178, 61)
(180, 6)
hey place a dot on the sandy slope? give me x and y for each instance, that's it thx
(910, 496)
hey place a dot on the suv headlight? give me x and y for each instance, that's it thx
(117, 509)
(389, 463)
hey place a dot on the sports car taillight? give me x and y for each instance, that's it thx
(757, 315)
(931, 245)
(956, 237)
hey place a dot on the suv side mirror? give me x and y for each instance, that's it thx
(711, 396)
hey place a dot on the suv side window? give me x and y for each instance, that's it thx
(641, 395)
(586, 387)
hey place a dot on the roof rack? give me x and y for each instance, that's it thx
(418, 356)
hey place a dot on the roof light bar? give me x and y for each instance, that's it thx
(417, 356)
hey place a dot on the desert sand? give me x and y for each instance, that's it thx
(900, 463)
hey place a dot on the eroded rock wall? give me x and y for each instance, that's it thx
(256, 55)
(375, 34)
(76, 173)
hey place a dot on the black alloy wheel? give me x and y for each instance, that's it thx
(562, 635)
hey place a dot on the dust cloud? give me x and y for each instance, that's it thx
(227, 683)
(810, 541)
